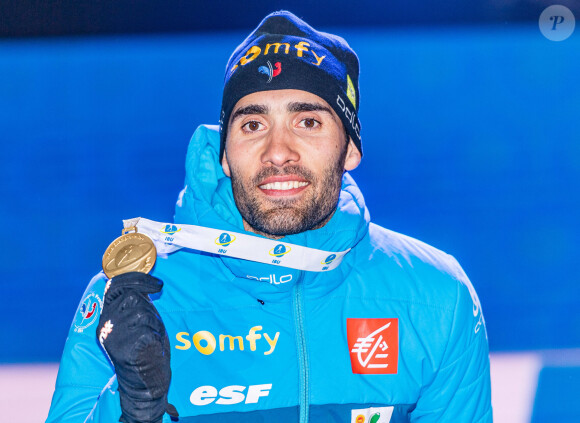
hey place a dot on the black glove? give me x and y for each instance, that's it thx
(133, 334)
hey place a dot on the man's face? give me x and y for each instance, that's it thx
(286, 151)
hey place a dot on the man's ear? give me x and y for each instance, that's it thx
(226, 166)
(353, 156)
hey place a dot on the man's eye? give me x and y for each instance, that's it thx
(309, 123)
(252, 126)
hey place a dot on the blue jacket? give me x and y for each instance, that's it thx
(393, 334)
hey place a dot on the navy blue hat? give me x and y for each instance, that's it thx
(284, 52)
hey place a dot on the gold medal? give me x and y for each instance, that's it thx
(131, 252)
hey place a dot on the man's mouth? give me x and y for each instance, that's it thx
(283, 185)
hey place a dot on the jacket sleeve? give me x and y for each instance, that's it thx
(85, 371)
(460, 391)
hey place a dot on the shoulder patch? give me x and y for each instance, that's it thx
(88, 313)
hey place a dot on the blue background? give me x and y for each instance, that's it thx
(470, 136)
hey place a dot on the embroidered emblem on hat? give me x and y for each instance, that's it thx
(272, 72)
(350, 92)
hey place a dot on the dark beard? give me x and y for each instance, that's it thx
(286, 217)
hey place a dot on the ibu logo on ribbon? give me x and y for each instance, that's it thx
(279, 250)
(170, 229)
(225, 239)
(329, 259)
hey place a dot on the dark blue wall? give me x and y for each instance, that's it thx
(471, 144)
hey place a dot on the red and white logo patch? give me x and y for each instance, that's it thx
(373, 345)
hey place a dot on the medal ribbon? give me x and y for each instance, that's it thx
(170, 237)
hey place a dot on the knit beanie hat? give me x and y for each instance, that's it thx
(284, 52)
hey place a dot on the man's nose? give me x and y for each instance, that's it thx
(280, 148)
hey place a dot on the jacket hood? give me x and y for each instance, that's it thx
(207, 200)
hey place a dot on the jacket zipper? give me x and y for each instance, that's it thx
(302, 353)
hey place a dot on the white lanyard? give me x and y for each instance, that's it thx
(170, 237)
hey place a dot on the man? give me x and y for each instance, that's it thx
(280, 301)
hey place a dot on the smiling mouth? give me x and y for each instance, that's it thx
(283, 186)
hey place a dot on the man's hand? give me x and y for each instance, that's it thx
(133, 335)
